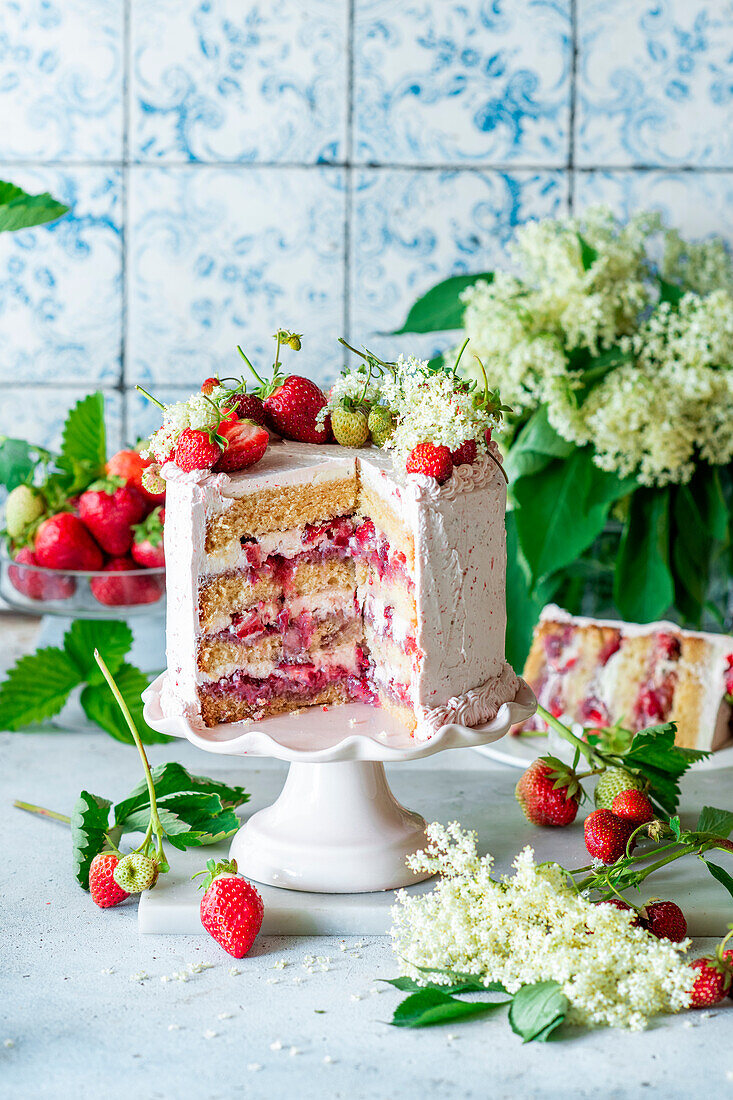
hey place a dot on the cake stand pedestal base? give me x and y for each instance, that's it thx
(335, 828)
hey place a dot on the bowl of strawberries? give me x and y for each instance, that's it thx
(83, 533)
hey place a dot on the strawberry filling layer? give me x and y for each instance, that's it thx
(654, 701)
(271, 619)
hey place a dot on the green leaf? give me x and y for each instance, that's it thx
(17, 462)
(670, 292)
(721, 875)
(89, 825)
(441, 308)
(100, 707)
(84, 440)
(431, 1006)
(36, 687)
(588, 254)
(172, 823)
(643, 586)
(654, 755)
(523, 604)
(537, 1010)
(676, 826)
(535, 447)
(19, 210)
(113, 639)
(466, 984)
(712, 820)
(171, 779)
(562, 509)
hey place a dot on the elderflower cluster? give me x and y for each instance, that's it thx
(355, 385)
(197, 412)
(532, 927)
(587, 285)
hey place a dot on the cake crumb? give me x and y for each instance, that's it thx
(328, 1060)
(210, 1033)
(277, 1045)
(225, 1016)
(280, 964)
(253, 1067)
(174, 1027)
(234, 970)
(294, 1050)
(273, 981)
(108, 970)
(141, 976)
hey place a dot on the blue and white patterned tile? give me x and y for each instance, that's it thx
(462, 82)
(225, 256)
(696, 203)
(218, 80)
(37, 413)
(61, 284)
(61, 82)
(654, 83)
(410, 229)
(143, 417)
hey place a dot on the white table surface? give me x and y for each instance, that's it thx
(79, 1031)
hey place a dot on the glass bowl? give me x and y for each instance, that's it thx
(79, 594)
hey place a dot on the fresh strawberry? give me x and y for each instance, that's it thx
(248, 406)
(729, 676)
(349, 427)
(120, 590)
(130, 466)
(147, 543)
(24, 506)
(381, 424)
(465, 454)
(136, 872)
(246, 444)
(153, 483)
(431, 461)
(291, 410)
(109, 509)
(606, 835)
(610, 783)
(38, 586)
(712, 983)
(102, 886)
(209, 385)
(63, 542)
(549, 792)
(665, 920)
(231, 908)
(196, 450)
(633, 806)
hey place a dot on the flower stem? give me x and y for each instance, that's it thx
(42, 811)
(254, 372)
(154, 825)
(150, 397)
(464, 345)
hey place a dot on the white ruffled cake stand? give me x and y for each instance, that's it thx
(336, 827)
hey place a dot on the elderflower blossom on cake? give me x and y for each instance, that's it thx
(530, 927)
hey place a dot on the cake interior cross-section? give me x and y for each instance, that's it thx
(322, 576)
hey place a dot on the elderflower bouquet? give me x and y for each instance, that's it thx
(613, 345)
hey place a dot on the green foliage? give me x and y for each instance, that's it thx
(538, 1010)
(19, 210)
(89, 826)
(441, 308)
(37, 688)
(84, 441)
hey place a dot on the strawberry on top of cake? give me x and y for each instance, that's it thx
(303, 571)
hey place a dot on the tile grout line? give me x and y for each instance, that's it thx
(125, 168)
(573, 103)
(348, 169)
(375, 166)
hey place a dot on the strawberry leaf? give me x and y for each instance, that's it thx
(100, 707)
(654, 756)
(84, 440)
(17, 462)
(113, 640)
(89, 826)
(717, 822)
(537, 1010)
(37, 687)
(721, 875)
(19, 210)
(172, 779)
(431, 1006)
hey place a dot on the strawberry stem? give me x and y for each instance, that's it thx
(582, 746)
(254, 372)
(154, 825)
(41, 811)
(464, 345)
(150, 397)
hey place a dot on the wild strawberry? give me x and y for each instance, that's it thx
(135, 873)
(431, 461)
(606, 835)
(712, 983)
(147, 544)
(665, 920)
(465, 454)
(381, 424)
(246, 444)
(102, 886)
(611, 782)
(63, 542)
(231, 908)
(22, 508)
(132, 467)
(291, 410)
(196, 450)
(633, 806)
(118, 589)
(350, 427)
(109, 509)
(38, 585)
(209, 385)
(153, 484)
(248, 406)
(549, 793)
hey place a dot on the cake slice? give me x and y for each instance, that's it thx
(599, 672)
